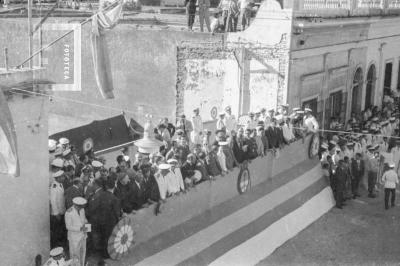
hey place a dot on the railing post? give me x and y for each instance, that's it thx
(6, 58)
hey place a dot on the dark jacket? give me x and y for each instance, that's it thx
(187, 170)
(125, 194)
(138, 195)
(212, 164)
(104, 209)
(71, 193)
(357, 171)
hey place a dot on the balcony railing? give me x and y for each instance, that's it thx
(343, 7)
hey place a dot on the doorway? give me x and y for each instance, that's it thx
(370, 87)
(356, 91)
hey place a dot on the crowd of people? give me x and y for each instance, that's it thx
(83, 190)
(226, 19)
(364, 150)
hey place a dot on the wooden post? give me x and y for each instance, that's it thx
(6, 58)
(30, 32)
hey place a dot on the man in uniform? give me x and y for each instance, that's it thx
(390, 179)
(373, 168)
(197, 122)
(229, 121)
(221, 122)
(57, 258)
(75, 221)
(105, 211)
(310, 123)
(340, 182)
(57, 210)
(357, 172)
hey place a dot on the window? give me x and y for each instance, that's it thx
(388, 78)
(312, 104)
(336, 104)
(370, 88)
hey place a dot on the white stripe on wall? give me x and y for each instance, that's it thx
(229, 224)
(263, 244)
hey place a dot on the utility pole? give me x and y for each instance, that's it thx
(30, 32)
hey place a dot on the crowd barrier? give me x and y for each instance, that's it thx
(206, 195)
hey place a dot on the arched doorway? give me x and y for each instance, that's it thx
(370, 87)
(356, 91)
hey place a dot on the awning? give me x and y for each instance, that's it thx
(100, 134)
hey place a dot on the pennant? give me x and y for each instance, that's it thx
(8, 140)
(104, 20)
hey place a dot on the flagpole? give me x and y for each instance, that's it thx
(82, 22)
(30, 33)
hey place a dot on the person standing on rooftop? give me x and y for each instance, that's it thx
(204, 14)
(190, 12)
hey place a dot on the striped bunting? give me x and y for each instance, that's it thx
(235, 233)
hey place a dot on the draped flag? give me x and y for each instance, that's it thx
(8, 141)
(105, 19)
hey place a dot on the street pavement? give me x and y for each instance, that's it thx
(362, 233)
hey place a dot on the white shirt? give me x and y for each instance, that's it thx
(390, 179)
(220, 124)
(311, 124)
(175, 181)
(162, 185)
(222, 160)
(74, 222)
(57, 201)
(287, 133)
(230, 123)
(197, 124)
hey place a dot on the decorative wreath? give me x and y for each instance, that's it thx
(243, 182)
(314, 146)
(87, 144)
(121, 239)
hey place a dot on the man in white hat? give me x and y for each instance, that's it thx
(196, 134)
(76, 223)
(162, 177)
(64, 143)
(57, 258)
(57, 210)
(229, 121)
(175, 182)
(52, 149)
(309, 122)
(220, 122)
(68, 160)
(390, 179)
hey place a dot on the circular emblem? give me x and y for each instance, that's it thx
(214, 112)
(121, 239)
(314, 146)
(87, 144)
(243, 182)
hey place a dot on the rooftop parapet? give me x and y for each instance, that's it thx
(342, 8)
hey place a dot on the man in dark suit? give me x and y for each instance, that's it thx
(105, 212)
(271, 134)
(357, 171)
(138, 191)
(340, 183)
(73, 191)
